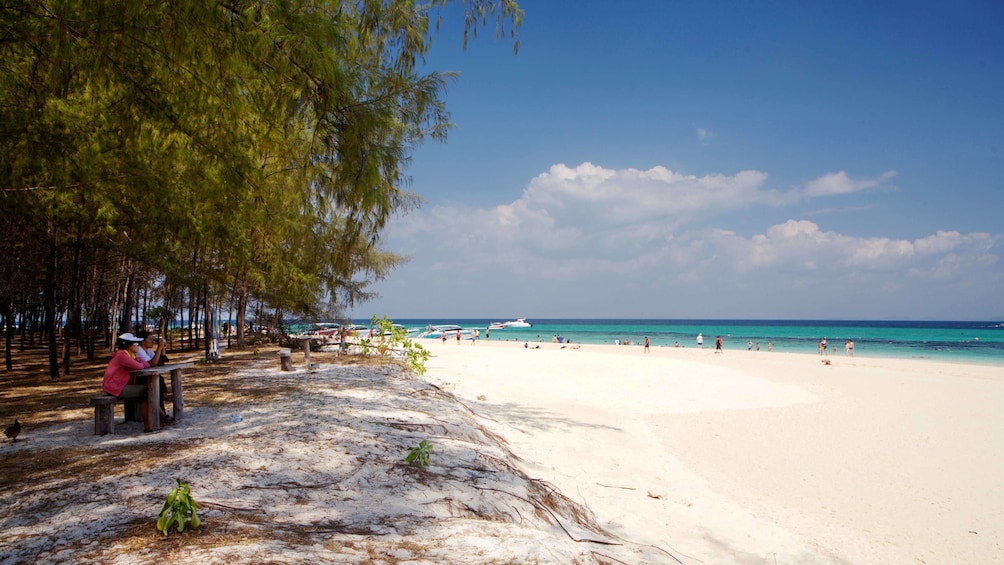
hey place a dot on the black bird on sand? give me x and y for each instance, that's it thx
(12, 430)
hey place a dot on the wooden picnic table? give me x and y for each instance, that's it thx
(153, 392)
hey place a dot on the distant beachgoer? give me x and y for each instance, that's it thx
(770, 345)
(849, 348)
(758, 346)
(488, 333)
(749, 345)
(617, 341)
(474, 336)
(526, 345)
(718, 344)
(444, 337)
(676, 344)
(822, 346)
(700, 340)
(538, 339)
(554, 339)
(647, 343)
(458, 337)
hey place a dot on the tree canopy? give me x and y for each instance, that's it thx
(251, 148)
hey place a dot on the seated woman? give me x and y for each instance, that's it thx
(119, 382)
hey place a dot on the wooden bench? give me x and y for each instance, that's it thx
(104, 406)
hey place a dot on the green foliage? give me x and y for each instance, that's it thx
(256, 148)
(177, 508)
(389, 339)
(421, 454)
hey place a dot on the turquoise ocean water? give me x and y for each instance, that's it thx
(969, 342)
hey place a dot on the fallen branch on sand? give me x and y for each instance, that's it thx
(219, 506)
(614, 486)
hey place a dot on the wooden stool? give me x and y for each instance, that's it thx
(286, 359)
(104, 414)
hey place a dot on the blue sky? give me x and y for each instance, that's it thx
(713, 160)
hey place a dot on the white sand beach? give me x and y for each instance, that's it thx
(600, 454)
(755, 457)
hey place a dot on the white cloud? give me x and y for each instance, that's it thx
(841, 183)
(576, 234)
(704, 134)
(599, 196)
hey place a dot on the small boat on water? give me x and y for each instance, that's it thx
(517, 323)
(436, 332)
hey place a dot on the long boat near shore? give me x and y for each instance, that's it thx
(437, 331)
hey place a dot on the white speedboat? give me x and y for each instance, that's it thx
(517, 323)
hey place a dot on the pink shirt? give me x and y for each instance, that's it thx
(117, 374)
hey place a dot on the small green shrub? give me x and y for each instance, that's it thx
(415, 356)
(421, 454)
(176, 509)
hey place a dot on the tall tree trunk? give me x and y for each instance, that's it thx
(242, 307)
(49, 299)
(8, 339)
(192, 313)
(128, 296)
(230, 311)
(207, 320)
(72, 332)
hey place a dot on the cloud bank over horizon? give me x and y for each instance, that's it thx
(587, 241)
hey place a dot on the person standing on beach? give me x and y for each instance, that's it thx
(718, 344)
(700, 340)
(647, 343)
(822, 346)
(458, 337)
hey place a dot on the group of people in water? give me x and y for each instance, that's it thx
(848, 347)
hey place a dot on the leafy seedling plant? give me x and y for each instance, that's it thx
(395, 338)
(177, 508)
(421, 454)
